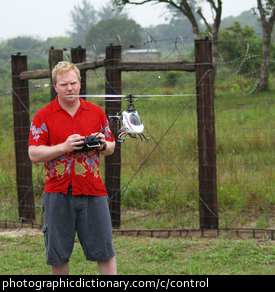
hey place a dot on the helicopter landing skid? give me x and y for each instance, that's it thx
(123, 134)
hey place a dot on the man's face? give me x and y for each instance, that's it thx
(67, 85)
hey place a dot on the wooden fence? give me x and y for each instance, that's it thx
(114, 65)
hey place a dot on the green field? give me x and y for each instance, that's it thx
(149, 256)
(160, 178)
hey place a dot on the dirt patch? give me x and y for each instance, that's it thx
(20, 232)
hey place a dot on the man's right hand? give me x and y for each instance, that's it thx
(44, 153)
(73, 142)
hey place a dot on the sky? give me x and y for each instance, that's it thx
(51, 18)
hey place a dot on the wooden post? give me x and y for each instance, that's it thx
(208, 205)
(113, 162)
(55, 56)
(21, 117)
(79, 56)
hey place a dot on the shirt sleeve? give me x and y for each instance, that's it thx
(107, 131)
(38, 132)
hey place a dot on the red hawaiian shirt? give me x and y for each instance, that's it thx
(52, 125)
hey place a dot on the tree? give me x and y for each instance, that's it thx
(107, 12)
(113, 30)
(83, 16)
(23, 43)
(59, 42)
(166, 37)
(266, 10)
(233, 43)
(189, 8)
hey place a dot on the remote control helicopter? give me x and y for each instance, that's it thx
(130, 122)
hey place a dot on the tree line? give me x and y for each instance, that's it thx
(97, 29)
(192, 10)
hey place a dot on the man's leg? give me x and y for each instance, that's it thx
(108, 267)
(94, 230)
(60, 270)
(59, 231)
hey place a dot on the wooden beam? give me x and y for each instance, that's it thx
(35, 74)
(208, 203)
(156, 66)
(113, 162)
(92, 65)
(121, 66)
(21, 115)
(40, 74)
(55, 56)
(79, 55)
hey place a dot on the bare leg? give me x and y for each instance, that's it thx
(60, 270)
(108, 267)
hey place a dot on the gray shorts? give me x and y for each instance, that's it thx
(64, 214)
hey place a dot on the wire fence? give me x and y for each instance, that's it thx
(159, 178)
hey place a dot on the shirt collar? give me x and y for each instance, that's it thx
(57, 107)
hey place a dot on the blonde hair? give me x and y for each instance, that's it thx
(64, 67)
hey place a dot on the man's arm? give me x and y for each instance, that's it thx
(109, 149)
(44, 153)
(110, 145)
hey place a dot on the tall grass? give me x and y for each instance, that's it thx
(245, 161)
(160, 178)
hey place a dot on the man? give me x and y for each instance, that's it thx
(75, 198)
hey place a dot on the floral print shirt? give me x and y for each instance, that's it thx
(52, 125)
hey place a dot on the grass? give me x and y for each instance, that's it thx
(149, 256)
(245, 158)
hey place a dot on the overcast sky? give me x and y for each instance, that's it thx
(50, 18)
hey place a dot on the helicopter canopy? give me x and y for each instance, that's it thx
(135, 119)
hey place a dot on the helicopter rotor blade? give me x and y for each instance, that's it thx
(128, 95)
(163, 95)
(101, 95)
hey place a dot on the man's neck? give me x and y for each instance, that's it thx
(70, 107)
